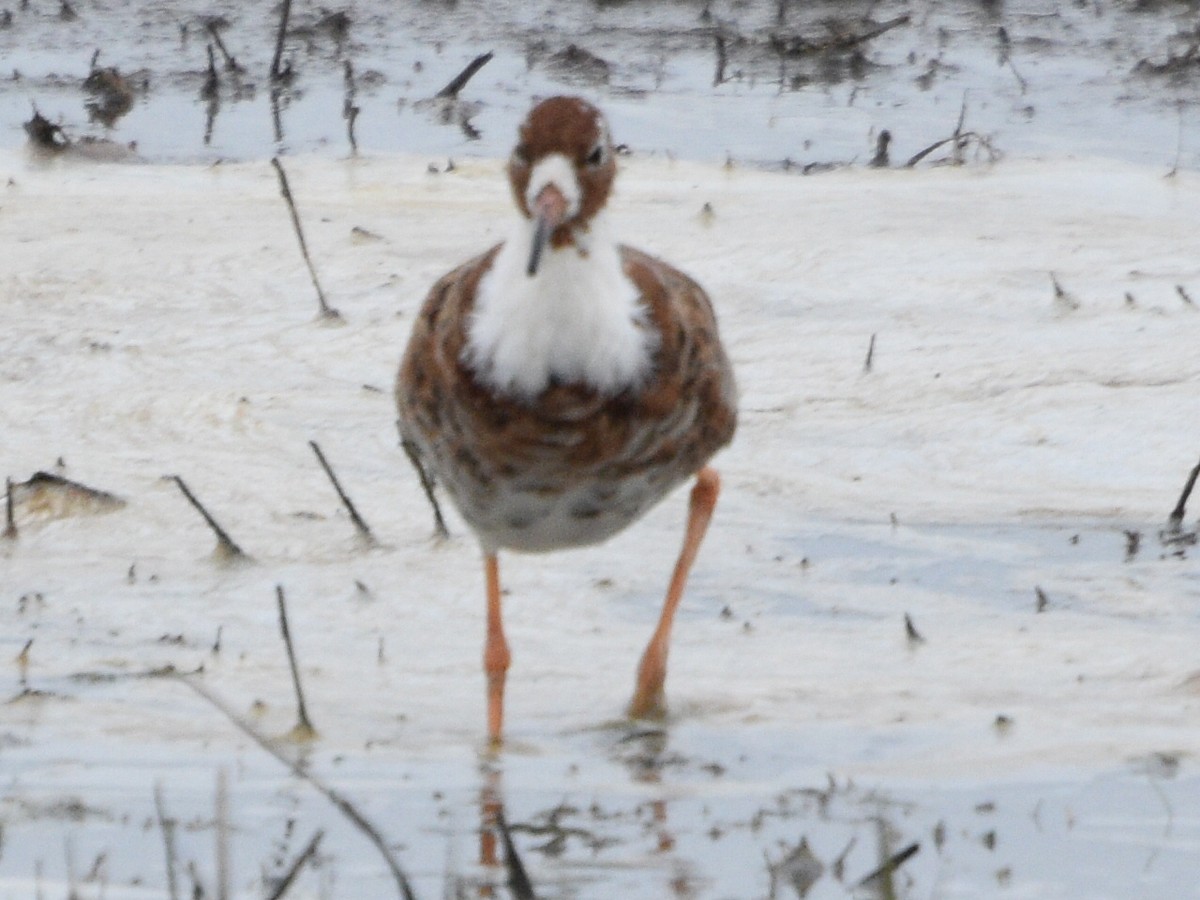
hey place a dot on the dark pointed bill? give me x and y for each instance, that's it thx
(549, 210)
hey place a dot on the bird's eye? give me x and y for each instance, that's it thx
(596, 157)
(520, 155)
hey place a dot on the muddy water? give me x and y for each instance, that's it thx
(687, 812)
(772, 82)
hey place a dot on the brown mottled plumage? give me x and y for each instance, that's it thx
(572, 463)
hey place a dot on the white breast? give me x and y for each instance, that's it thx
(579, 319)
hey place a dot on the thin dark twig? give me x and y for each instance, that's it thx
(224, 541)
(910, 631)
(518, 878)
(890, 865)
(350, 111)
(459, 81)
(305, 724)
(10, 522)
(871, 33)
(344, 806)
(1012, 67)
(285, 11)
(276, 115)
(349, 86)
(212, 81)
(916, 158)
(1178, 142)
(362, 526)
(410, 450)
(1175, 520)
(327, 311)
(351, 118)
(230, 63)
(958, 130)
(167, 826)
(308, 853)
(870, 355)
(959, 139)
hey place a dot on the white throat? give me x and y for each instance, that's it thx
(579, 319)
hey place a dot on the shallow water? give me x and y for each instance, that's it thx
(159, 321)
(1033, 82)
(682, 816)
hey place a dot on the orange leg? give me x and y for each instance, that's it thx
(648, 697)
(491, 806)
(496, 657)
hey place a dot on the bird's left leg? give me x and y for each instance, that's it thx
(648, 697)
(496, 657)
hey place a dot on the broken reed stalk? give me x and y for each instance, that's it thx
(212, 81)
(276, 115)
(351, 118)
(306, 854)
(10, 522)
(439, 524)
(349, 110)
(1175, 520)
(1178, 142)
(913, 636)
(224, 542)
(344, 806)
(285, 10)
(327, 311)
(304, 727)
(363, 528)
(1012, 67)
(69, 858)
(1133, 542)
(348, 84)
(167, 827)
(518, 878)
(883, 875)
(230, 63)
(722, 60)
(23, 665)
(459, 81)
(958, 139)
(1006, 58)
(916, 158)
(872, 33)
(881, 159)
(221, 833)
(958, 130)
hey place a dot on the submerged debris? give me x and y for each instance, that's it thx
(110, 93)
(574, 63)
(47, 496)
(800, 869)
(841, 37)
(45, 135)
(49, 139)
(1178, 66)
